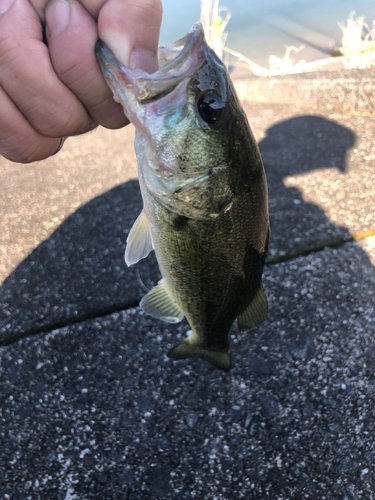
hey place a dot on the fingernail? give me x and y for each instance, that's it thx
(5, 5)
(57, 16)
(143, 59)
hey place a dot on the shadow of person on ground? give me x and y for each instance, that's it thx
(284, 421)
(79, 270)
(298, 146)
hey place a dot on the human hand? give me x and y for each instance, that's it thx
(55, 91)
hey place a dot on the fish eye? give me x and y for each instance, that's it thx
(210, 108)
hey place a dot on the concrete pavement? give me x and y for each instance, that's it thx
(92, 407)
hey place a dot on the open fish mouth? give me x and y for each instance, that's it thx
(177, 62)
(204, 194)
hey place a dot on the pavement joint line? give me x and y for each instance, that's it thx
(49, 327)
(316, 247)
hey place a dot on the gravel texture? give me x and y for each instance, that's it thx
(63, 231)
(321, 187)
(320, 172)
(91, 407)
(35, 199)
(349, 91)
(96, 410)
(79, 270)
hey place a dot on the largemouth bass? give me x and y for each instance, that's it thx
(205, 208)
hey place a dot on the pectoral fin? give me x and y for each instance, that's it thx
(160, 304)
(256, 311)
(220, 359)
(139, 242)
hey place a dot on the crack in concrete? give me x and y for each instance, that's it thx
(49, 327)
(316, 247)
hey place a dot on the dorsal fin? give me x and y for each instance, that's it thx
(139, 242)
(256, 311)
(160, 304)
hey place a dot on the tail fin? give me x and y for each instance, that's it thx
(220, 359)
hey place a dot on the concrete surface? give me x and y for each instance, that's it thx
(91, 407)
(350, 91)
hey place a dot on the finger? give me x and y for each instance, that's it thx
(133, 33)
(93, 6)
(39, 7)
(18, 140)
(71, 48)
(27, 76)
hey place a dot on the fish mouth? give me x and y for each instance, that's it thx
(175, 64)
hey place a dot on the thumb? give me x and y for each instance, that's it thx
(131, 29)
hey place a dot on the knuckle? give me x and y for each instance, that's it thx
(149, 12)
(113, 122)
(69, 70)
(73, 125)
(107, 113)
(27, 147)
(8, 52)
(63, 121)
(29, 153)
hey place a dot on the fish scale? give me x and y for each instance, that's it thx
(204, 192)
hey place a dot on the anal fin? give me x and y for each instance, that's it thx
(220, 359)
(139, 242)
(256, 311)
(160, 304)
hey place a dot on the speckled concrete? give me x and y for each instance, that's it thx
(91, 407)
(97, 410)
(74, 211)
(320, 171)
(349, 91)
(35, 199)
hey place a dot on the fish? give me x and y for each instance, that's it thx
(204, 191)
